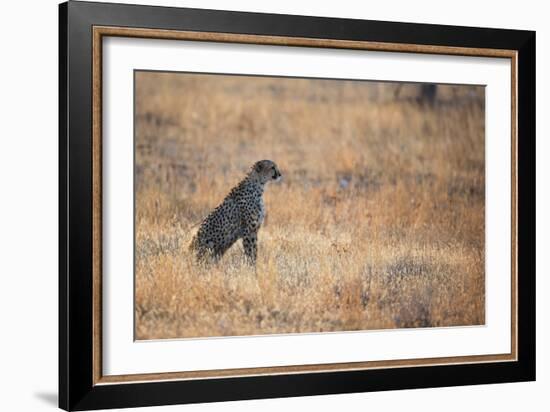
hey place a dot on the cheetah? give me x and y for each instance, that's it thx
(239, 216)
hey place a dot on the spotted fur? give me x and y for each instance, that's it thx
(239, 216)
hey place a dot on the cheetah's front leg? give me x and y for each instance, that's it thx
(250, 244)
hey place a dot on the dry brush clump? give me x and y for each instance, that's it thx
(378, 222)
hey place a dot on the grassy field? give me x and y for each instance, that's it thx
(378, 222)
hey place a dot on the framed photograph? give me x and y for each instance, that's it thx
(256, 205)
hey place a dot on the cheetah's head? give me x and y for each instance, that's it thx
(266, 171)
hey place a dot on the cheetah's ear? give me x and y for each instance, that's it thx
(258, 167)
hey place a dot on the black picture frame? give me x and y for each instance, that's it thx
(77, 390)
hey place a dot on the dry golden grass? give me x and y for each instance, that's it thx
(378, 222)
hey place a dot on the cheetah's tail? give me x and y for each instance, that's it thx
(194, 244)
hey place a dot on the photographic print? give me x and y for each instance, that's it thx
(275, 205)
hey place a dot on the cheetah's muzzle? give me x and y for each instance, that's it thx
(239, 216)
